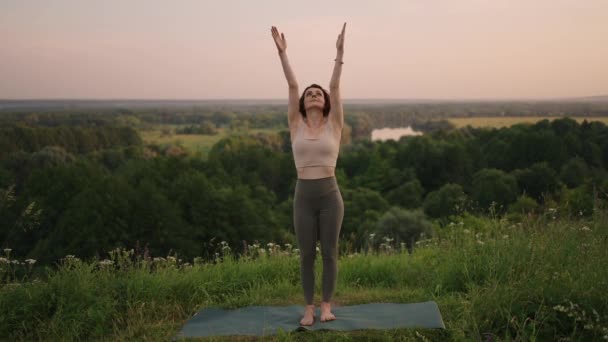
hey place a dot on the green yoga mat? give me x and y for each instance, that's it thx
(267, 320)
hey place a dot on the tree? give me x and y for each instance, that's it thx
(493, 185)
(404, 226)
(450, 199)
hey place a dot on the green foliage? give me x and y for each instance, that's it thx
(362, 208)
(524, 205)
(531, 280)
(450, 199)
(538, 181)
(574, 172)
(206, 127)
(403, 225)
(492, 185)
(406, 195)
(579, 201)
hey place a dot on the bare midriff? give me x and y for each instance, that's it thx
(316, 172)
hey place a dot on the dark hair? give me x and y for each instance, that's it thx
(327, 106)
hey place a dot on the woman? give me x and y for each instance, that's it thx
(315, 123)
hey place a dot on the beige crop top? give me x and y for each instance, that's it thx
(309, 151)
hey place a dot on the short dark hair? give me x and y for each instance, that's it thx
(327, 106)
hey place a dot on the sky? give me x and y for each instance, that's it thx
(394, 49)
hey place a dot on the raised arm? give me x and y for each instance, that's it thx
(337, 112)
(293, 103)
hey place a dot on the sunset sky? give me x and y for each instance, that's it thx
(406, 49)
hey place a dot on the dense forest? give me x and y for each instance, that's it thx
(83, 184)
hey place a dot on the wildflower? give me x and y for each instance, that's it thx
(480, 242)
(466, 231)
(270, 244)
(585, 229)
(371, 236)
(172, 258)
(262, 250)
(505, 237)
(30, 261)
(15, 261)
(3, 261)
(7, 250)
(318, 249)
(106, 262)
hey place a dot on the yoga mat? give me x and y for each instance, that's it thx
(267, 320)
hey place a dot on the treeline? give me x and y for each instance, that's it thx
(362, 118)
(71, 139)
(87, 204)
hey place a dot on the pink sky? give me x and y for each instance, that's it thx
(199, 49)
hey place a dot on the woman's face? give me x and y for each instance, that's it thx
(313, 97)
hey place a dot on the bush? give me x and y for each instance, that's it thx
(404, 226)
(450, 199)
(493, 185)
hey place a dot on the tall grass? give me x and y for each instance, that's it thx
(539, 279)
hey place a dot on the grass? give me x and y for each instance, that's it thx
(539, 279)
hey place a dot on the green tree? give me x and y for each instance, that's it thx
(492, 185)
(449, 200)
(404, 226)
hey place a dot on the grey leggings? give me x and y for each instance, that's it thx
(318, 211)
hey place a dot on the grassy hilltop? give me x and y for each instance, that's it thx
(542, 278)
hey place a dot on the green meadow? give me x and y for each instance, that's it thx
(537, 278)
(193, 143)
(506, 121)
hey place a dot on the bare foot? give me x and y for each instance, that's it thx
(326, 314)
(309, 315)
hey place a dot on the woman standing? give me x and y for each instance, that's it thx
(315, 123)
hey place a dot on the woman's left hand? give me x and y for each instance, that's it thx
(340, 42)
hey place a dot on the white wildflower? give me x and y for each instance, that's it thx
(30, 261)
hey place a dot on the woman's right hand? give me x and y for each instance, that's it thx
(279, 39)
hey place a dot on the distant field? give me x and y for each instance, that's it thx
(203, 143)
(192, 142)
(508, 121)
